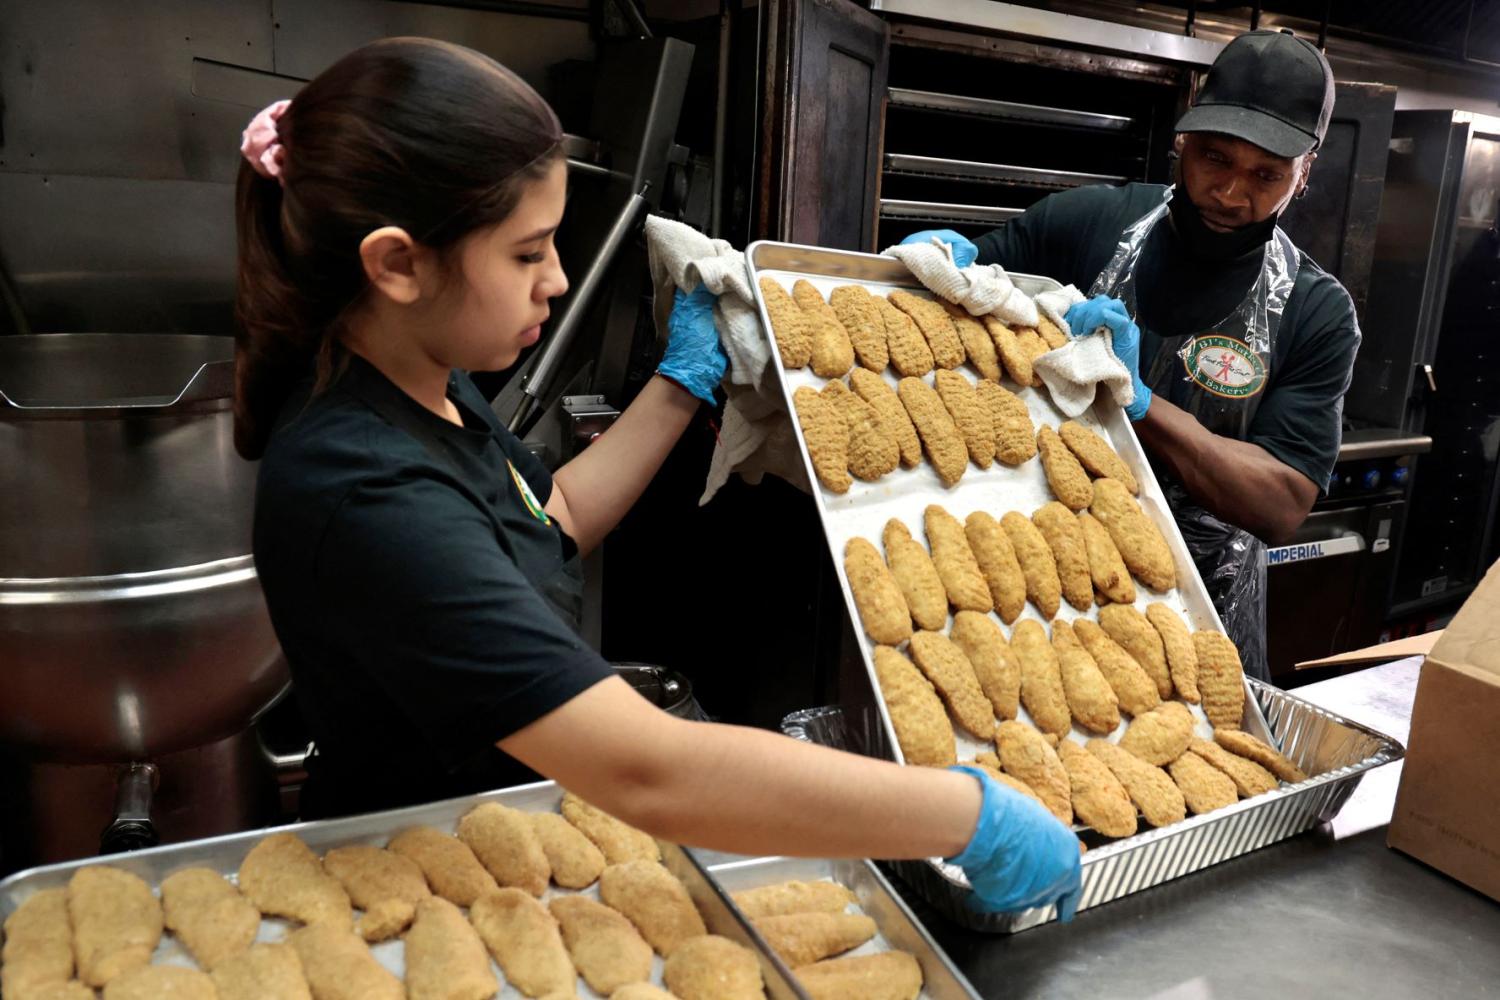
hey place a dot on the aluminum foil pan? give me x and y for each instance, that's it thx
(1334, 752)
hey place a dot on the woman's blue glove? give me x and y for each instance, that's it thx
(1101, 310)
(694, 358)
(964, 252)
(1020, 856)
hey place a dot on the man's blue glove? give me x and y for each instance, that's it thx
(964, 252)
(1101, 310)
(694, 358)
(1020, 856)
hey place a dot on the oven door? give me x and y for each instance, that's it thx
(1327, 588)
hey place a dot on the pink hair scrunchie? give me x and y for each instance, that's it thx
(259, 144)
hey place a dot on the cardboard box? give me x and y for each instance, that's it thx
(1448, 806)
(1396, 649)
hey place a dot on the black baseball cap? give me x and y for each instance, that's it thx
(1269, 88)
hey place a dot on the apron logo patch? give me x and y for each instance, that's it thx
(1225, 366)
(527, 497)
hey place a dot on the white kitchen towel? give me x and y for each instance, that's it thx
(982, 289)
(1073, 372)
(1055, 305)
(755, 435)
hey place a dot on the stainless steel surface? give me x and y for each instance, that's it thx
(1050, 26)
(666, 689)
(1377, 442)
(131, 829)
(120, 254)
(125, 574)
(247, 86)
(1413, 257)
(993, 173)
(892, 208)
(1380, 697)
(721, 121)
(312, 34)
(903, 97)
(1335, 753)
(1424, 365)
(55, 812)
(560, 339)
(1331, 913)
(895, 926)
(588, 417)
(1336, 218)
(224, 854)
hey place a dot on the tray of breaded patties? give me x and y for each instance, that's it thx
(524, 892)
(840, 927)
(1024, 600)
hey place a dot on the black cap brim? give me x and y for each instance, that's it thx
(1266, 131)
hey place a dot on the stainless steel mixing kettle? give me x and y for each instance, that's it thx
(131, 620)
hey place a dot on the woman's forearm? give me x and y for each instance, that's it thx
(595, 490)
(744, 790)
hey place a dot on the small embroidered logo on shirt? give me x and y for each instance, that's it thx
(1224, 366)
(528, 497)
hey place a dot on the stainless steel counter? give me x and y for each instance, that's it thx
(1331, 913)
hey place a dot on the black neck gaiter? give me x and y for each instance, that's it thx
(1204, 244)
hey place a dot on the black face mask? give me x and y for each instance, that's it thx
(1203, 243)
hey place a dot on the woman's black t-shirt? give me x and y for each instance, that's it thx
(425, 601)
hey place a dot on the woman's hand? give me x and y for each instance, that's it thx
(694, 358)
(1020, 856)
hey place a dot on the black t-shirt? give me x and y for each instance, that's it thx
(419, 591)
(1072, 235)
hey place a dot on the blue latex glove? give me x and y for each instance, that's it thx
(1020, 856)
(1101, 310)
(964, 252)
(694, 358)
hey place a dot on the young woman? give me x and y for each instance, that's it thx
(421, 567)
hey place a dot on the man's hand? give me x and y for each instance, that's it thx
(1104, 313)
(964, 251)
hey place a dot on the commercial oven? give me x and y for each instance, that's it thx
(1428, 360)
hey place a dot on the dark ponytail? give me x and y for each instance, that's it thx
(409, 132)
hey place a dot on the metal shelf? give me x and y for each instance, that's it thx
(934, 211)
(910, 165)
(901, 97)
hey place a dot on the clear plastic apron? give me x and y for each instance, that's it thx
(1219, 376)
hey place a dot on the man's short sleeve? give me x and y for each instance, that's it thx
(1300, 421)
(439, 618)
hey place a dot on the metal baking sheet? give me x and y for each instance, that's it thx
(224, 854)
(1335, 753)
(863, 511)
(895, 925)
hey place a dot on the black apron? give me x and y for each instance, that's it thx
(1219, 376)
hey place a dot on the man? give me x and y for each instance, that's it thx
(1241, 348)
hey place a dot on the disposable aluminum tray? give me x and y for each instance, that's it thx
(905, 493)
(224, 854)
(1333, 751)
(896, 927)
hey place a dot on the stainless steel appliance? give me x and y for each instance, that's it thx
(1428, 361)
(132, 625)
(1327, 586)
